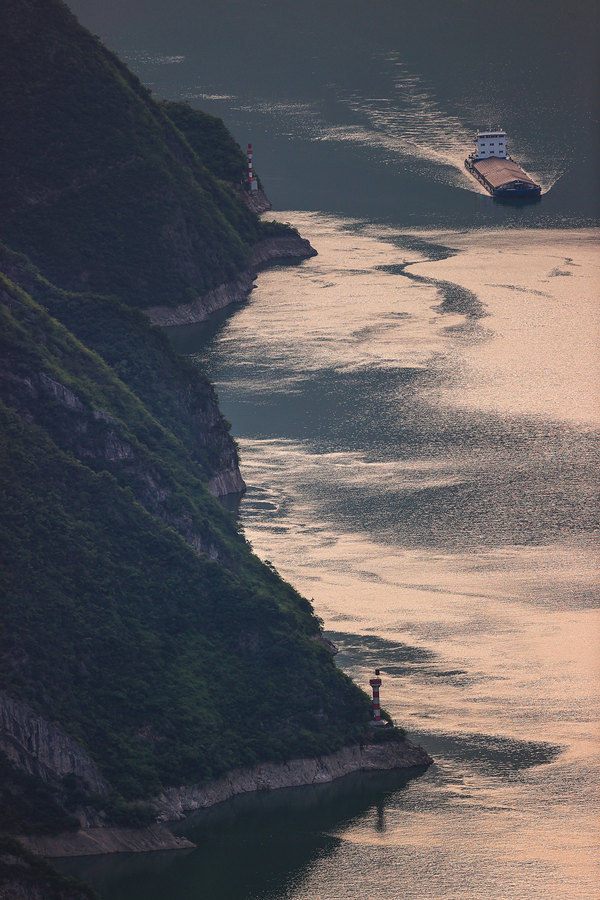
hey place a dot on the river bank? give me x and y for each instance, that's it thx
(175, 803)
(289, 247)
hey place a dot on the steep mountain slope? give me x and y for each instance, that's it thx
(129, 593)
(142, 644)
(174, 391)
(210, 140)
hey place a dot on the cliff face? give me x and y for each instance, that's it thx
(105, 427)
(96, 437)
(43, 749)
(257, 201)
(174, 392)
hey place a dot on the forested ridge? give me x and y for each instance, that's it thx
(99, 185)
(135, 616)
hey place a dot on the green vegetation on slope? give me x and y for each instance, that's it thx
(210, 140)
(135, 615)
(128, 633)
(97, 185)
(169, 668)
(173, 390)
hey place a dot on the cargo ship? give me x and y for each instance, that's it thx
(496, 171)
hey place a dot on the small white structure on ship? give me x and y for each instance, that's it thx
(491, 143)
(491, 165)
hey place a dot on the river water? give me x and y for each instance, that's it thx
(417, 414)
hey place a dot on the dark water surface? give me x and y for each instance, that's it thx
(417, 414)
(366, 109)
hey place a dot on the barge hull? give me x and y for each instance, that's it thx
(502, 177)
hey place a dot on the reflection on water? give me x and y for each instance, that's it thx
(253, 846)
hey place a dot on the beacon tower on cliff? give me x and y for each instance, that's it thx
(376, 684)
(252, 182)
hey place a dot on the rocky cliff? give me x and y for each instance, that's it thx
(96, 429)
(257, 201)
(175, 803)
(173, 390)
(43, 749)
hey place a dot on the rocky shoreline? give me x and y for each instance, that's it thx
(98, 841)
(40, 748)
(290, 247)
(174, 804)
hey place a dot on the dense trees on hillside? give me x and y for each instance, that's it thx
(135, 616)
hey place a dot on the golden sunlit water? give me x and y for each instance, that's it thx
(477, 603)
(417, 414)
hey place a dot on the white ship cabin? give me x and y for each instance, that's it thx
(491, 143)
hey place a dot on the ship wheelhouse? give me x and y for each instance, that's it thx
(491, 143)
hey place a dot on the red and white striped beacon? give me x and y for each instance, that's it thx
(376, 684)
(251, 179)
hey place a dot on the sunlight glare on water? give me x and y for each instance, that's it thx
(419, 421)
(417, 417)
